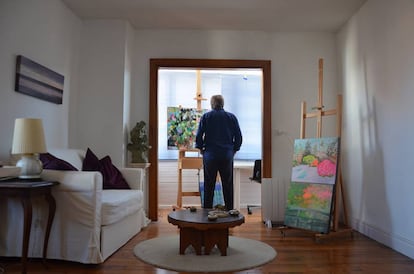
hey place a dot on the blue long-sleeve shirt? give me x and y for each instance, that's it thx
(218, 134)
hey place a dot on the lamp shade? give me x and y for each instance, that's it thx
(28, 136)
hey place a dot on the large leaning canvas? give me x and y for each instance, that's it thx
(311, 192)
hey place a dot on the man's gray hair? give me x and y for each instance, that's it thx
(217, 102)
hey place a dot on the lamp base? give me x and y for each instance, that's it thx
(30, 167)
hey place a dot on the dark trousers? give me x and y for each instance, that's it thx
(225, 169)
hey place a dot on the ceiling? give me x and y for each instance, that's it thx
(255, 15)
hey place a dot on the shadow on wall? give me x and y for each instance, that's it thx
(374, 203)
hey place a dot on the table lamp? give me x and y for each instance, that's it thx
(28, 141)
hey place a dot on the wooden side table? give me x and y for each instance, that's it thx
(25, 190)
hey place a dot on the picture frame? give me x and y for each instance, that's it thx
(38, 81)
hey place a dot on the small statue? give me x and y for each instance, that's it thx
(139, 143)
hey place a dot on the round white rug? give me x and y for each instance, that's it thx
(242, 253)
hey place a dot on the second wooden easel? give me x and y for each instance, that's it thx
(318, 113)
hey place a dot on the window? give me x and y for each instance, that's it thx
(242, 92)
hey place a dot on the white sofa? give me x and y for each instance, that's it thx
(90, 223)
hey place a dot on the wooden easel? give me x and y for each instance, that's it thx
(318, 113)
(185, 162)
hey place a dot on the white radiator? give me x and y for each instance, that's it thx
(274, 197)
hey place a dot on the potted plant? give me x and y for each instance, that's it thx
(139, 144)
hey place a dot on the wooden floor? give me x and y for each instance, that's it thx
(297, 252)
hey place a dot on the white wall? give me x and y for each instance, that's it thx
(48, 33)
(127, 125)
(375, 51)
(100, 99)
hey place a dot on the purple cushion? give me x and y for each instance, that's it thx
(112, 177)
(90, 162)
(52, 162)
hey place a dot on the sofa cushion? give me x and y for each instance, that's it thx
(91, 162)
(119, 203)
(72, 156)
(50, 161)
(112, 177)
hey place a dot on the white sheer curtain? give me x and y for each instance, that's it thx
(242, 92)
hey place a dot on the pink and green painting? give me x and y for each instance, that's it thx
(315, 160)
(310, 194)
(182, 124)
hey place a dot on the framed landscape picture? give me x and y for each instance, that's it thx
(311, 192)
(38, 81)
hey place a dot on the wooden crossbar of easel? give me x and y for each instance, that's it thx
(318, 113)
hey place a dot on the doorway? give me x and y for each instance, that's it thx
(155, 65)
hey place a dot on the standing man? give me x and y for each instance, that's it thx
(218, 139)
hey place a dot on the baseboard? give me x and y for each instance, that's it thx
(396, 242)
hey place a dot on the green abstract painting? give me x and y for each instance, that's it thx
(182, 124)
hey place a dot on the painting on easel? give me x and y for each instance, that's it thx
(182, 124)
(310, 196)
(315, 160)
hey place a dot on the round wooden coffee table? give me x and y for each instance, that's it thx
(197, 230)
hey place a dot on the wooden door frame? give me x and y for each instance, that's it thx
(155, 64)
